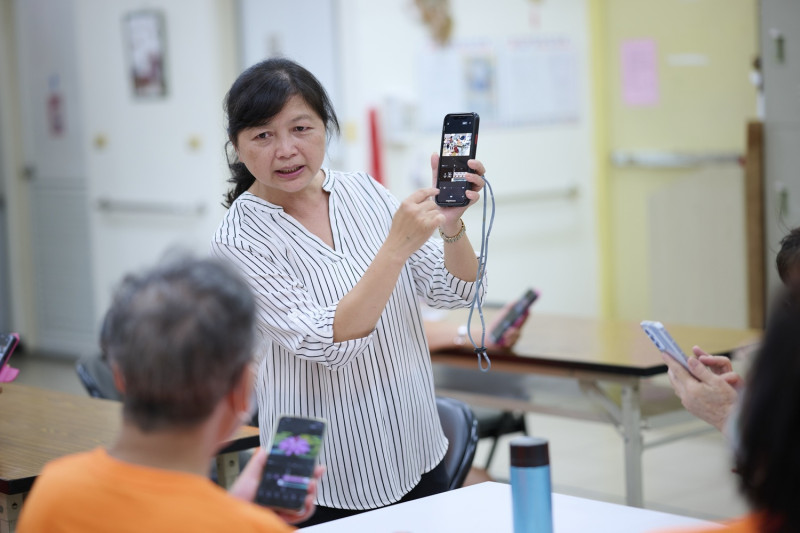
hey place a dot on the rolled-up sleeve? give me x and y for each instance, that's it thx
(435, 285)
(286, 314)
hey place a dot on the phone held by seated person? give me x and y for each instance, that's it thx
(514, 317)
(290, 464)
(8, 341)
(664, 342)
(459, 145)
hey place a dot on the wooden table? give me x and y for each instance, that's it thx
(38, 425)
(486, 507)
(593, 353)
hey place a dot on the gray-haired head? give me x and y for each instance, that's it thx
(181, 334)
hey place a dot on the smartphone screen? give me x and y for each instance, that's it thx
(514, 314)
(459, 145)
(291, 462)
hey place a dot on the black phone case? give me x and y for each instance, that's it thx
(453, 193)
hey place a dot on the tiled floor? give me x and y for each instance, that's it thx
(690, 476)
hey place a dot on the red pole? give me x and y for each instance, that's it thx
(376, 156)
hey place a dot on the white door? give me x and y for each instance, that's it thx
(64, 304)
(155, 161)
(119, 178)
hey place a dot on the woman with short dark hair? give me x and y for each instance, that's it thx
(337, 265)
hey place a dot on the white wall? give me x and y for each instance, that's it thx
(548, 244)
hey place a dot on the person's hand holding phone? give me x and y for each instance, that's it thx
(719, 365)
(453, 214)
(510, 336)
(246, 485)
(707, 394)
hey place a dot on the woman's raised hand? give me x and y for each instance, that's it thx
(414, 222)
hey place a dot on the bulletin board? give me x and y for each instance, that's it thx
(511, 82)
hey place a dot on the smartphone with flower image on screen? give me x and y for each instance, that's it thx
(291, 461)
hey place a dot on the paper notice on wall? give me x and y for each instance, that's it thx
(538, 81)
(639, 61)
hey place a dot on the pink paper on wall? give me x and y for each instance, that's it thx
(639, 72)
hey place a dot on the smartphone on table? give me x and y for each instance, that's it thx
(514, 316)
(459, 145)
(664, 342)
(291, 461)
(8, 341)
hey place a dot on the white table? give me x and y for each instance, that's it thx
(486, 508)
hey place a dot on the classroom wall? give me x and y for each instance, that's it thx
(542, 236)
(543, 175)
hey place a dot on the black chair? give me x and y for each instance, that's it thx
(95, 375)
(493, 423)
(461, 429)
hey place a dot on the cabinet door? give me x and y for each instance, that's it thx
(52, 133)
(780, 60)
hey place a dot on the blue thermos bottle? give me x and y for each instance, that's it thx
(530, 485)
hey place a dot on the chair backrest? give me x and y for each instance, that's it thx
(95, 375)
(461, 429)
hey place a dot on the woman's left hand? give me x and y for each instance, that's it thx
(453, 214)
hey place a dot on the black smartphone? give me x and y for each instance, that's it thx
(8, 341)
(291, 461)
(459, 144)
(514, 315)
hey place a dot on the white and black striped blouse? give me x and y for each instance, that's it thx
(375, 392)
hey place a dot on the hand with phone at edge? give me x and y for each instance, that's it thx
(506, 328)
(708, 389)
(8, 342)
(246, 485)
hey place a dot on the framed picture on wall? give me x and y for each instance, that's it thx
(145, 41)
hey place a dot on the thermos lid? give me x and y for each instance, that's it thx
(529, 451)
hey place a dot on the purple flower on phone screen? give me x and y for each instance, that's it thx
(294, 446)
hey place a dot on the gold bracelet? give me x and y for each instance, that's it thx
(455, 237)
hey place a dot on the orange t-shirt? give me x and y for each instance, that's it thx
(93, 492)
(746, 524)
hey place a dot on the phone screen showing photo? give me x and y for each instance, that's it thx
(459, 143)
(291, 462)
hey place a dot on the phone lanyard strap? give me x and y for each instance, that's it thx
(482, 355)
(480, 351)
